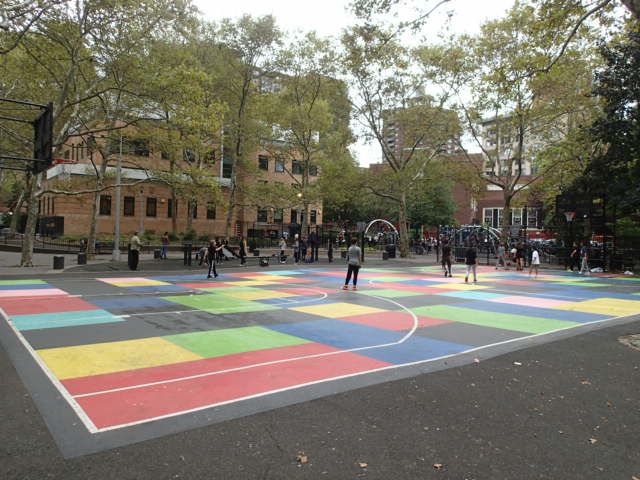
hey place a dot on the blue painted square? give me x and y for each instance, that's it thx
(130, 302)
(179, 278)
(471, 295)
(286, 272)
(24, 286)
(550, 313)
(339, 334)
(414, 349)
(292, 301)
(63, 319)
(420, 283)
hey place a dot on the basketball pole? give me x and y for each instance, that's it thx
(115, 254)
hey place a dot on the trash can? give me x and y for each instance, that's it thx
(391, 251)
(82, 259)
(58, 262)
(156, 253)
(264, 261)
(385, 255)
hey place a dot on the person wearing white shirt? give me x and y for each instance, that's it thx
(535, 262)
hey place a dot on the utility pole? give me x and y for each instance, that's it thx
(115, 255)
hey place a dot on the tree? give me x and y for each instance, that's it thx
(387, 91)
(520, 112)
(247, 49)
(70, 51)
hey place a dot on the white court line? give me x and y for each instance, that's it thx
(274, 362)
(84, 418)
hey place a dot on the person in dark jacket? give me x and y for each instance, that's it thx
(212, 250)
(446, 259)
(471, 260)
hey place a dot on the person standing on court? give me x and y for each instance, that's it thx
(353, 264)
(243, 251)
(296, 249)
(471, 260)
(584, 259)
(165, 245)
(501, 256)
(134, 247)
(283, 248)
(212, 251)
(446, 259)
(535, 261)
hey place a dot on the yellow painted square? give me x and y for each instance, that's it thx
(255, 294)
(337, 310)
(98, 358)
(612, 307)
(140, 283)
(459, 286)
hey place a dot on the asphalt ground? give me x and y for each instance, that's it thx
(446, 424)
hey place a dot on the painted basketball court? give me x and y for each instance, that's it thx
(118, 359)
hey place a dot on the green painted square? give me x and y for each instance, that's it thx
(584, 283)
(389, 279)
(382, 270)
(220, 303)
(505, 321)
(22, 282)
(217, 343)
(389, 293)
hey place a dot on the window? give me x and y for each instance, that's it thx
(516, 216)
(296, 167)
(313, 170)
(211, 211)
(152, 205)
(105, 204)
(263, 162)
(226, 168)
(532, 217)
(188, 155)
(171, 207)
(314, 216)
(492, 217)
(278, 215)
(263, 215)
(294, 216)
(129, 206)
(279, 165)
(139, 147)
(194, 209)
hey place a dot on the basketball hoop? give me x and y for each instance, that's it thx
(570, 216)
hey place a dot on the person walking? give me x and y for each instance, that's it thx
(353, 264)
(296, 249)
(574, 257)
(243, 251)
(134, 247)
(584, 260)
(471, 260)
(283, 248)
(501, 256)
(535, 261)
(165, 245)
(212, 251)
(446, 259)
(330, 250)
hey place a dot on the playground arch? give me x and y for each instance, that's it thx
(382, 220)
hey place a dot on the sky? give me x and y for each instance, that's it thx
(330, 17)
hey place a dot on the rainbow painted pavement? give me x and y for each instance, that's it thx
(128, 350)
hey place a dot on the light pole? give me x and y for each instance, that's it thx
(142, 212)
(115, 253)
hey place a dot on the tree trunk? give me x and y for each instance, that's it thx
(91, 239)
(174, 212)
(13, 225)
(402, 220)
(506, 216)
(32, 220)
(190, 205)
(232, 204)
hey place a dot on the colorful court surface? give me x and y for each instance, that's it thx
(132, 358)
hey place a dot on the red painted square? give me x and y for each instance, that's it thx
(397, 320)
(163, 373)
(61, 303)
(166, 399)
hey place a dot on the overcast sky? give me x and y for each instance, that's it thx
(329, 17)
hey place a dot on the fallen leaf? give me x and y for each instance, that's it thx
(592, 441)
(476, 360)
(362, 465)
(585, 382)
(438, 466)
(302, 458)
(633, 477)
(517, 364)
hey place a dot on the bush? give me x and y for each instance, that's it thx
(173, 237)
(189, 235)
(203, 238)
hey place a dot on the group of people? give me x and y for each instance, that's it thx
(305, 250)
(579, 258)
(471, 260)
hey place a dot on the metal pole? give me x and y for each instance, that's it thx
(115, 254)
(141, 211)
